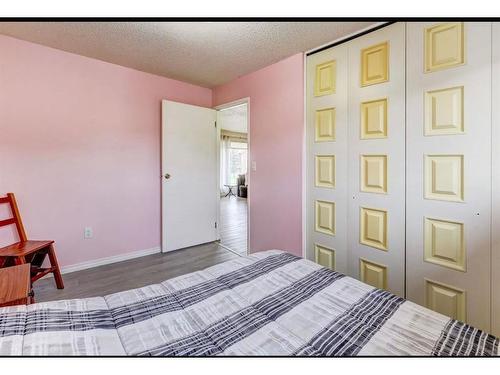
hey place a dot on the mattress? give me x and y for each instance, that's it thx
(270, 303)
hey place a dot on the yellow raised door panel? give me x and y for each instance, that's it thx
(325, 171)
(444, 176)
(325, 125)
(444, 111)
(374, 119)
(324, 84)
(324, 256)
(445, 299)
(444, 243)
(375, 64)
(373, 228)
(444, 46)
(373, 274)
(374, 173)
(325, 217)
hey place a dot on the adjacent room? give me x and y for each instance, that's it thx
(250, 187)
(234, 150)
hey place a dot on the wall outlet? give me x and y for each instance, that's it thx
(88, 233)
(254, 166)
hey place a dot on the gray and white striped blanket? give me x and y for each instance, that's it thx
(269, 303)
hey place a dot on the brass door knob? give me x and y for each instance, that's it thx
(167, 176)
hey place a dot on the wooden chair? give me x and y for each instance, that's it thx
(26, 251)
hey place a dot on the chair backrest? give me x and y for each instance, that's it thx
(16, 216)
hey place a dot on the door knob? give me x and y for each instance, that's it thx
(167, 176)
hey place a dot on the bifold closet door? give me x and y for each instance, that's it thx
(449, 169)
(376, 158)
(326, 158)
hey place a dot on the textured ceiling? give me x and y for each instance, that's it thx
(234, 118)
(204, 53)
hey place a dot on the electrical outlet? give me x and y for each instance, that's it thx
(88, 233)
(254, 165)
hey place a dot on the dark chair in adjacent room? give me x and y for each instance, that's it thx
(242, 188)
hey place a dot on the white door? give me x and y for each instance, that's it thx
(449, 168)
(189, 175)
(326, 189)
(377, 158)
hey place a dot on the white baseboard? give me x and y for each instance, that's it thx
(109, 260)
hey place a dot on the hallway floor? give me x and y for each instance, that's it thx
(233, 224)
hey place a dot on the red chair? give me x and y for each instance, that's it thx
(26, 251)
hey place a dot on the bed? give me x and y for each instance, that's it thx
(268, 303)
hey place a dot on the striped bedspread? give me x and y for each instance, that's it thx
(269, 303)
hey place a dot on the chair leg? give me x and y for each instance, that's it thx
(55, 267)
(31, 298)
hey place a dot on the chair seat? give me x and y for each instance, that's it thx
(23, 248)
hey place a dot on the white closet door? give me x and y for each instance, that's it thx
(377, 158)
(326, 155)
(449, 168)
(495, 224)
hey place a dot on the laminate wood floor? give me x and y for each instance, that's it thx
(233, 224)
(133, 273)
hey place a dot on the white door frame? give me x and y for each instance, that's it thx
(235, 103)
(495, 175)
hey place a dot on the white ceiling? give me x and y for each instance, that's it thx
(234, 118)
(204, 53)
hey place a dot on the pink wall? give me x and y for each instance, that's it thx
(80, 146)
(276, 133)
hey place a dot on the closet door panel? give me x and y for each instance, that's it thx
(449, 169)
(377, 158)
(326, 153)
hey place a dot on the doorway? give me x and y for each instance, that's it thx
(233, 141)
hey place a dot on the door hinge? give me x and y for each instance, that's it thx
(215, 123)
(216, 225)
